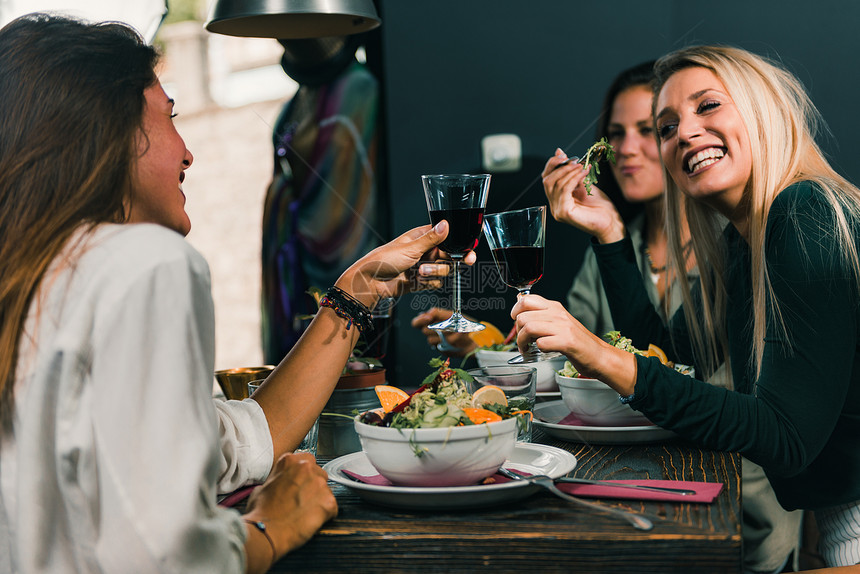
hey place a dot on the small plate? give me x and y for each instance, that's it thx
(531, 458)
(548, 414)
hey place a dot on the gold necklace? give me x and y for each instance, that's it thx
(656, 271)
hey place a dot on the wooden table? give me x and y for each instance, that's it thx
(543, 533)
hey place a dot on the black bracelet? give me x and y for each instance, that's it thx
(261, 526)
(346, 306)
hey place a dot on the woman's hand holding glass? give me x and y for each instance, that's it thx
(411, 262)
(517, 239)
(548, 324)
(570, 203)
(408, 263)
(460, 200)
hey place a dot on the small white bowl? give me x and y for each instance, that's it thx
(545, 369)
(597, 404)
(450, 456)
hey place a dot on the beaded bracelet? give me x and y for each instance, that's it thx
(261, 526)
(626, 400)
(348, 307)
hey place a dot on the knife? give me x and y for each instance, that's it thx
(664, 490)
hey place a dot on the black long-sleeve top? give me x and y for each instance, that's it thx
(800, 419)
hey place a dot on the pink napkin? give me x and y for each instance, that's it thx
(237, 496)
(379, 480)
(705, 491)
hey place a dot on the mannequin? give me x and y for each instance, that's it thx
(320, 211)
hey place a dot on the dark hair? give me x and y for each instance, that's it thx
(639, 75)
(73, 104)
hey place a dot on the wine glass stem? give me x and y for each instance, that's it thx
(457, 288)
(532, 348)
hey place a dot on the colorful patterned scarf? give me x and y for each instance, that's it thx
(320, 210)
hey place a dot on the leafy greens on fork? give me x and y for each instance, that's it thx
(598, 151)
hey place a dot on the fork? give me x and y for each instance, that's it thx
(639, 522)
(579, 160)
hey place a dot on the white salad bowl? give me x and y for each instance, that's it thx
(545, 369)
(597, 404)
(448, 456)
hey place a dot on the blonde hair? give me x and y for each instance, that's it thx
(782, 122)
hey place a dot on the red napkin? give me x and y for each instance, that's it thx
(237, 496)
(379, 480)
(705, 491)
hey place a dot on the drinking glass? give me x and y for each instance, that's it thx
(518, 382)
(309, 443)
(461, 200)
(376, 341)
(516, 239)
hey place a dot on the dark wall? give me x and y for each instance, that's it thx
(454, 72)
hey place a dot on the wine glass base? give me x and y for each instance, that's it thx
(534, 357)
(456, 324)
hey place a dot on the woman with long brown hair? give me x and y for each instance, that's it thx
(112, 447)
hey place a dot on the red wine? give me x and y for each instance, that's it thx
(376, 341)
(519, 267)
(464, 228)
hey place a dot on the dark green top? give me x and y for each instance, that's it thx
(800, 419)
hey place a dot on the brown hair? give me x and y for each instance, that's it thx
(73, 101)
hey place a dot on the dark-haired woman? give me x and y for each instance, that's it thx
(112, 449)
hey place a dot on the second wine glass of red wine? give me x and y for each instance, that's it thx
(460, 200)
(516, 239)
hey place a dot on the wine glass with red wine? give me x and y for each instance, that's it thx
(516, 239)
(461, 200)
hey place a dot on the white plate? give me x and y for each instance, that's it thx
(548, 414)
(531, 458)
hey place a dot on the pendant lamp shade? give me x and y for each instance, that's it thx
(291, 19)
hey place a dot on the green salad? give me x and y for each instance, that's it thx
(442, 400)
(616, 339)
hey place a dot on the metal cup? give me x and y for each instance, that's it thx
(234, 382)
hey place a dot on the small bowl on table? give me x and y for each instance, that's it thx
(545, 369)
(595, 403)
(447, 456)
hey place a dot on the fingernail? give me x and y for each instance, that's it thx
(438, 227)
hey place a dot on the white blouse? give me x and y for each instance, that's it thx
(118, 448)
